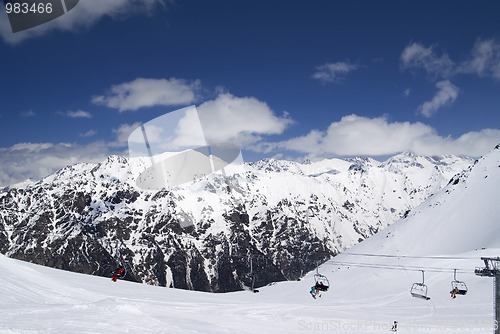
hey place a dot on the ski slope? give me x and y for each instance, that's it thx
(451, 230)
(37, 299)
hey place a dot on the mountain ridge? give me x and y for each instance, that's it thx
(284, 217)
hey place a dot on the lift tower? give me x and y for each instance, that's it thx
(492, 269)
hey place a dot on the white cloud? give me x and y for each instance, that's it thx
(123, 132)
(226, 119)
(484, 60)
(241, 119)
(351, 136)
(355, 135)
(417, 56)
(32, 147)
(83, 16)
(446, 95)
(310, 144)
(76, 114)
(407, 92)
(89, 133)
(27, 113)
(333, 72)
(37, 160)
(143, 92)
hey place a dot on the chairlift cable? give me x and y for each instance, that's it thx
(396, 267)
(412, 257)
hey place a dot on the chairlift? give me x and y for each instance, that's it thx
(460, 286)
(419, 290)
(321, 281)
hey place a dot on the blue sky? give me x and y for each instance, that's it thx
(297, 78)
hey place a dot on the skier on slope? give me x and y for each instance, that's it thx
(395, 326)
(119, 273)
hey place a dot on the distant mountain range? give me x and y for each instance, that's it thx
(276, 218)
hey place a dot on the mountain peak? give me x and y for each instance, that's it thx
(463, 216)
(199, 234)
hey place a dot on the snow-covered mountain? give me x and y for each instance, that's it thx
(283, 217)
(369, 283)
(463, 216)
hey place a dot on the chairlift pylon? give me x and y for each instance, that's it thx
(251, 275)
(460, 286)
(419, 290)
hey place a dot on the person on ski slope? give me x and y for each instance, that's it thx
(119, 273)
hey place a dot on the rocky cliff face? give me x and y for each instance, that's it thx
(273, 219)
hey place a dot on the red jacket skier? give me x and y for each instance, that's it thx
(118, 273)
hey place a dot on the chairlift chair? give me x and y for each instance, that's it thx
(459, 285)
(419, 290)
(321, 281)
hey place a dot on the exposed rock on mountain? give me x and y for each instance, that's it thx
(272, 219)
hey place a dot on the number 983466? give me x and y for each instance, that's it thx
(25, 8)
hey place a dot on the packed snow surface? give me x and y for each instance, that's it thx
(37, 299)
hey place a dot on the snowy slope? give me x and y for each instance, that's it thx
(451, 230)
(367, 292)
(462, 217)
(38, 299)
